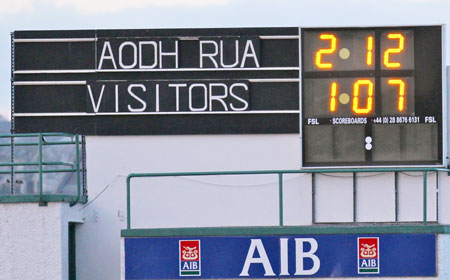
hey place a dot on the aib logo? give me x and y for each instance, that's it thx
(190, 264)
(368, 255)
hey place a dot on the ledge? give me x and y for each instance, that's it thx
(43, 198)
(288, 230)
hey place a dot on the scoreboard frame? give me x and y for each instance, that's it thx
(156, 81)
(442, 136)
(58, 83)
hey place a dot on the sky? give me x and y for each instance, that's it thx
(137, 14)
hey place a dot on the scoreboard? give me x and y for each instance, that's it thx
(372, 96)
(356, 96)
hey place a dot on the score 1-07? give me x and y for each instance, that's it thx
(359, 109)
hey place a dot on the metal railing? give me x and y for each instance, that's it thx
(57, 166)
(280, 174)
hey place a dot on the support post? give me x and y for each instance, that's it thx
(77, 164)
(354, 197)
(41, 177)
(280, 193)
(425, 198)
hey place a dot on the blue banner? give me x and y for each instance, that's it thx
(292, 256)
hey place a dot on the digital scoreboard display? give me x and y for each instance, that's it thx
(365, 96)
(372, 96)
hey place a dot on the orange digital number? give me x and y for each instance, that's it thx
(332, 49)
(369, 60)
(401, 92)
(399, 49)
(333, 99)
(356, 87)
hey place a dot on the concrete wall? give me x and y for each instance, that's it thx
(34, 240)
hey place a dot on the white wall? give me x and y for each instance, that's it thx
(111, 159)
(34, 240)
(220, 200)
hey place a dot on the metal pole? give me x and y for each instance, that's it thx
(280, 188)
(41, 202)
(354, 197)
(437, 196)
(12, 112)
(396, 195)
(313, 194)
(83, 163)
(128, 202)
(77, 164)
(425, 197)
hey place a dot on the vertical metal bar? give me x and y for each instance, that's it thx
(437, 196)
(77, 164)
(77, 144)
(425, 197)
(280, 194)
(313, 194)
(83, 164)
(396, 195)
(12, 174)
(128, 203)
(41, 202)
(12, 113)
(354, 197)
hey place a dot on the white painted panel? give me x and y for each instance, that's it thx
(444, 198)
(375, 196)
(334, 198)
(212, 201)
(410, 197)
(297, 199)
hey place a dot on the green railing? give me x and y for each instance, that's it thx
(280, 174)
(57, 167)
